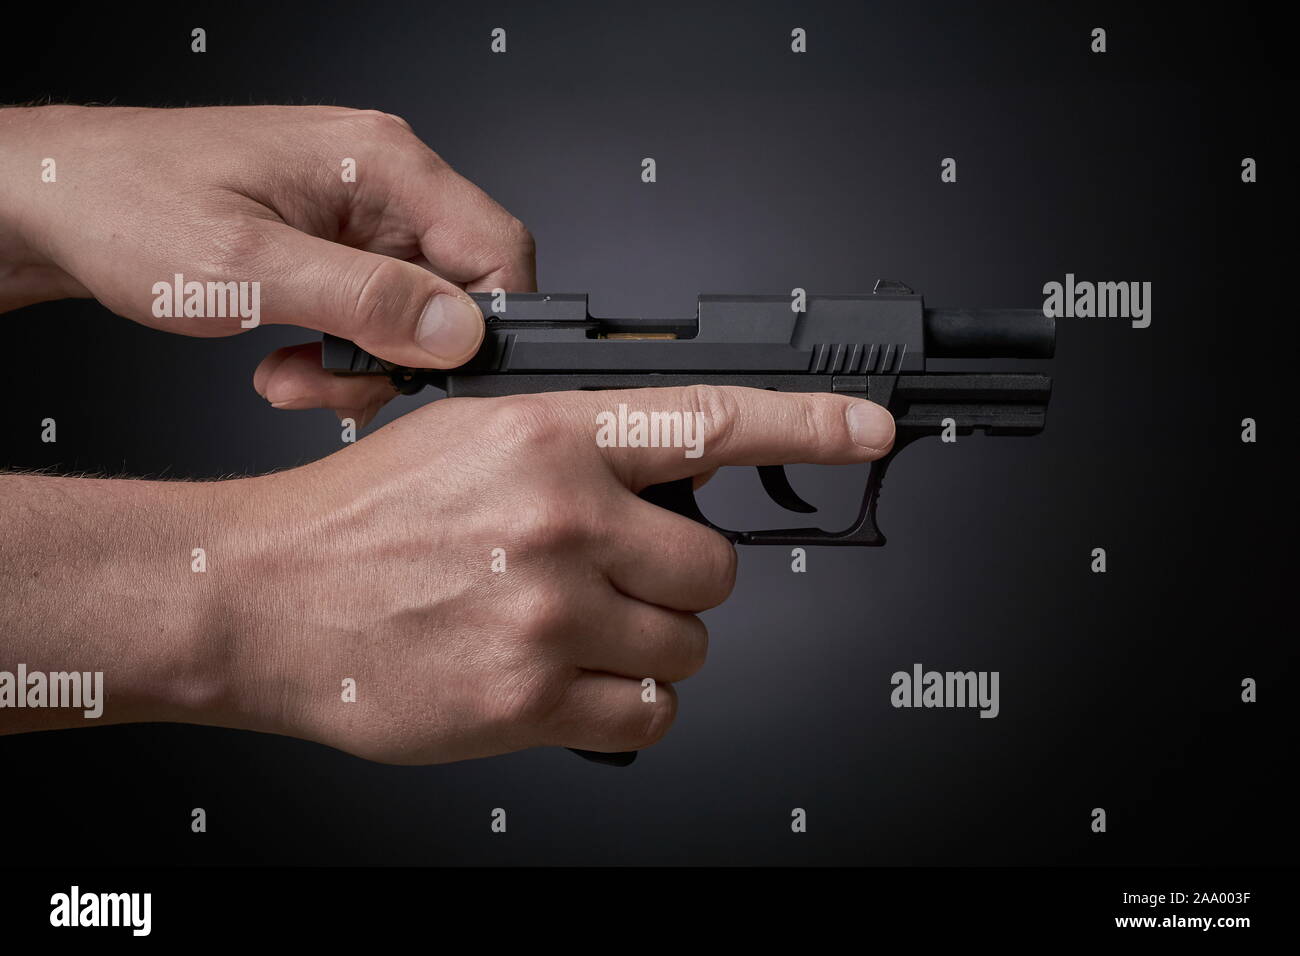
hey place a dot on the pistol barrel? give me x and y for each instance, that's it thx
(989, 333)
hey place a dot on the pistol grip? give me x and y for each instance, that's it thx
(679, 497)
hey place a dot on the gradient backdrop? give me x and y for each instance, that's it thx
(776, 170)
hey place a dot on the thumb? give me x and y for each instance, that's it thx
(393, 309)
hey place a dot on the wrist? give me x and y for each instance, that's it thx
(32, 190)
(250, 620)
(237, 654)
(172, 660)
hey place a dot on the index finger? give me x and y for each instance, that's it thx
(653, 435)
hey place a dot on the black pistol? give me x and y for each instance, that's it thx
(873, 346)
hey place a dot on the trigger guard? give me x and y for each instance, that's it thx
(679, 497)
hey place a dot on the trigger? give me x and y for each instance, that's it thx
(777, 486)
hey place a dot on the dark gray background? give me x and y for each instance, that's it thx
(775, 170)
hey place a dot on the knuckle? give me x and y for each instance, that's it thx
(520, 236)
(378, 290)
(719, 406)
(520, 700)
(816, 420)
(812, 416)
(547, 615)
(694, 648)
(379, 122)
(717, 563)
(548, 521)
(522, 420)
(654, 720)
(400, 121)
(236, 247)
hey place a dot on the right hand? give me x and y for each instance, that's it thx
(375, 564)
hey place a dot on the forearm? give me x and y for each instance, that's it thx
(99, 578)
